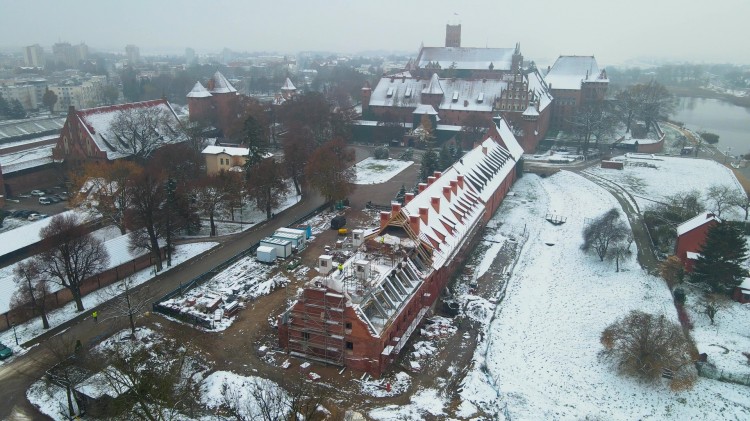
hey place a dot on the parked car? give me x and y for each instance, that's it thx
(35, 217)
(44, 201)
(54, 198)
(63, 195)
(5, 352)
(23, 214)
(37, 193)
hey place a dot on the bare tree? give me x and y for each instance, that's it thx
(66, 372)
(721, 196)
(140, 131)
(31, 289)
(712, 304)
(742, 201)
(604, 232)
(330, 171)
(145, 214)
(122, 300)
(72, 254)
(672, 270)
(297, 151)
(211, 197)
(593, 121)
(266, 185)
(644, 346)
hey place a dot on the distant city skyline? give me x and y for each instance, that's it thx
(615, 32)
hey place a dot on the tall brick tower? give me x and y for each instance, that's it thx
(453, 35)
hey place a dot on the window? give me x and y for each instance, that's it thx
(350, 346)
(348, 325)
(306, 336)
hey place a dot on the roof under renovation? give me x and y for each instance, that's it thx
(466, 58)
(570, 72)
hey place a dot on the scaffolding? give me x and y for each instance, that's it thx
(317, 326)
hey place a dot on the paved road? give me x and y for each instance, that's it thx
(17, 376)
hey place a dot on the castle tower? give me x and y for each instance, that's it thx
(366, 94)
(199, 103)
(288, 90)
(225, 100)
(453, 35)
(517, 59)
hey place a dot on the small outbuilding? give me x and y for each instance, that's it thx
(265, 254)
(742, 292)
(283, 247)
(691, 235)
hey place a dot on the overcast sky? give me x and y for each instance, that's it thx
(615, 31)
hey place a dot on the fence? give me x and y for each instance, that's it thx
(206, 276)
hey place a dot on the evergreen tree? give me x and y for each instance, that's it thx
(15, 109)
(401, 194)
(49, 100)
(445, 157)
(4, 106)
(429, 164)
(719, 265)
(256, 138)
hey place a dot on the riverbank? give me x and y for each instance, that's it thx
(682, 91)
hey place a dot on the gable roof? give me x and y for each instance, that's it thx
(466, 58)
(570, 72)
(198, 91)
(288, 85)
(699, 220)
(483, 169)
(469, 94)
(98, 121)
(231, 151)
(221, 85)
(434, 86)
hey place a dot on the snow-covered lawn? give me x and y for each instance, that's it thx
(655, 177)
(539, 358)
(376, 171)
(242, 394)
(33, 328)
(726, 339)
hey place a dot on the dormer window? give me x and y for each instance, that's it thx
(389, 93)
(455, 96)
(480, 97)
(407, 94)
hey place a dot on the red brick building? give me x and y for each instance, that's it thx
(89, 136)
(574, 81)
(691, 235)
(361, 312)
(459, 83)
(216, 103)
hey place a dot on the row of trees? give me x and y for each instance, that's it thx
(599, 120)
(11, 108)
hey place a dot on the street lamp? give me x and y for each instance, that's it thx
(14, 333)
(726, 155)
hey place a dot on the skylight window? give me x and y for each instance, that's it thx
(390, 92)
(480, 97)
(455, 96)
(408, 92)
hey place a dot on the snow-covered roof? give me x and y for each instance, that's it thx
(26, 127)
(531, 111)
(221, 85)
(570, 72)
(697, 221)
(539, 87)
(631, 141)
(110, 382)
(482, 169)
(98, 123)
(745, 285)
(425, 109)
(199, 91)
(693, 255)
(434, 86)
(459, 94)
(288, 85)
(27, 158)
(466, 58)
(231, 151)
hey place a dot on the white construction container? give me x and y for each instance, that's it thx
(265, 254)
(325, 264)
(283, 247)
(298, 241)
(301, 233)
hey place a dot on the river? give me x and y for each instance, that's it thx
(729, 121)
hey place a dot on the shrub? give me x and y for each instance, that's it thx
(644, 345)
(381, 152)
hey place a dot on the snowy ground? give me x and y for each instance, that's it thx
(654, 177)
(33, 328)
(376, 171)
(539, 358)
(242, 393)
(726, 339)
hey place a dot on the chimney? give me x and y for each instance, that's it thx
(423, 213)
(437, 174)
(430, 180)
(447, 193)
(421, 187)
(484, 150)
(454, 186)
(435, 202)
(384, 217)
(460, 179)
(408, 197)
(414, 223)
(395, 208)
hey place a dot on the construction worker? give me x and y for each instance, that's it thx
(95, 314)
